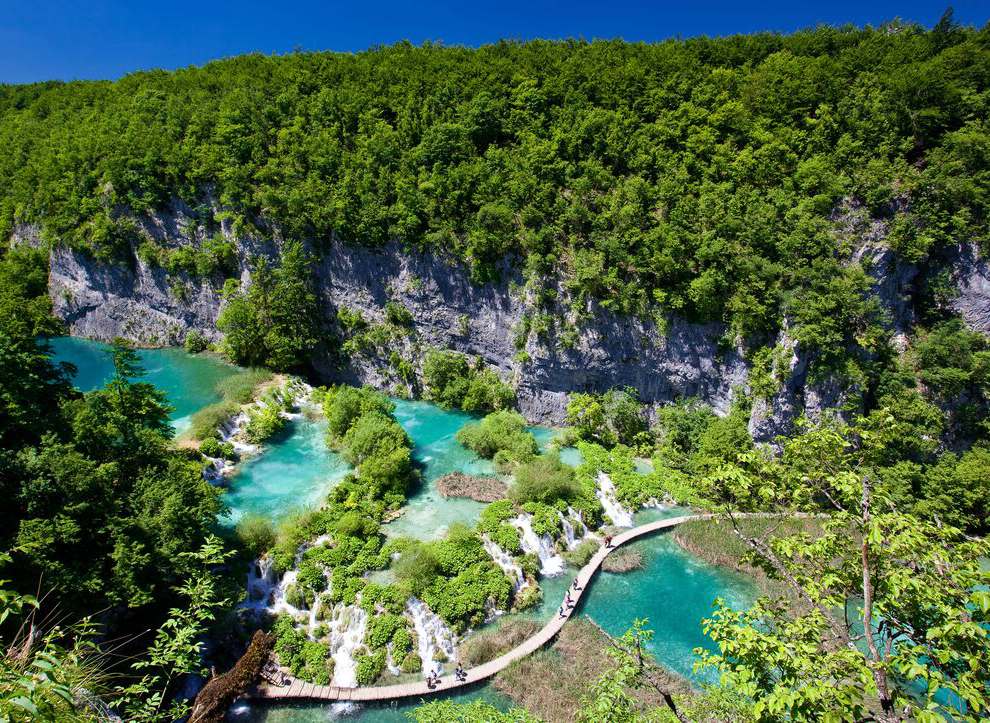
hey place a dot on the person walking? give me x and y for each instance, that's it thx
(561, 611)
(567, 599)
(608, 540)
(460, 674)
(574, 585)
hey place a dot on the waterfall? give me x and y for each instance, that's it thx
(551, 563)
(433, 635)
(565, 522)
(620, 516)
(261, 580)
(347, 628)
(508, 565)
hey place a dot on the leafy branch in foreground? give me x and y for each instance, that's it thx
(40, 677)
(889, 620)
(176, 649)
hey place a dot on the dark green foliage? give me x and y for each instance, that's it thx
(695, 174)
(615, 417)
(213, 447)
(396, 313)
(273, 322)
(679, 429)
(305, 658)
(546, 479)
(370, 667)
(24, 302)
(502, 436)
(343, 406)
(102, 509)
(256, 534)
(952, 359)
(195, 342)
(453, 383)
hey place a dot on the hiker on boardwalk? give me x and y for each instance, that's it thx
(567, 599)
(574, 585)
(608, 540)
(561, 612)
(433, 680)
(460, 674)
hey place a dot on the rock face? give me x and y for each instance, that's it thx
(598, 351)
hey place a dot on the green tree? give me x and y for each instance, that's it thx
(888, 612)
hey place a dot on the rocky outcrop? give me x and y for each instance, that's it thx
(590, 349)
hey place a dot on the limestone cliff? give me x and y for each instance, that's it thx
(602, 350)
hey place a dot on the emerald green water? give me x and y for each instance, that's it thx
(188, 380)
(674, 590)
(295, 470)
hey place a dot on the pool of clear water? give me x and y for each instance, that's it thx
(188, 380)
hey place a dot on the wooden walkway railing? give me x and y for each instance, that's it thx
(298, 690)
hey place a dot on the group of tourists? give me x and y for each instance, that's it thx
(433, 679)
(568, 603)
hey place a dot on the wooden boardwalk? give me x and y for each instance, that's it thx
(298, 690)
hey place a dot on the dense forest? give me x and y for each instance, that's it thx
(698, 175)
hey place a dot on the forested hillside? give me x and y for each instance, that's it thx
(699, 175)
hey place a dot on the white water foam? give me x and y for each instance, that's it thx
(504, 561)
(620, 516)
(433, 635)
(551, 563)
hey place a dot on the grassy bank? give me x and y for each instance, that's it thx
(551, 682)
(714, 541)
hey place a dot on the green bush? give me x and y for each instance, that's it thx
(370, 667)
(412, 663)
(213, 447)
(255, 534)
(453, 383)
(263, 423)
(501, 435)
(545, 479)
(581, 553)
(396, 313)
(195, 342)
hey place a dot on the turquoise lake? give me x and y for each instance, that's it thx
(674, 590)
(189, 380)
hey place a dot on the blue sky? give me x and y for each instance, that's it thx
(41, 39)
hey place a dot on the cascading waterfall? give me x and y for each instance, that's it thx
(508, 565)
(568, 528)
(261, 581)
(620, 516)
(433, 635)
(347, 624)
(551, 563)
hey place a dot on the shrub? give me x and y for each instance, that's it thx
(545, 479)
(213, 447)
(255, 534)
(343, 406)
(263, 422)
(501, 435)
(195, 342)
(581, 553)
(412, 663)
(370, 667)
(397, 314)
(452, 383)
